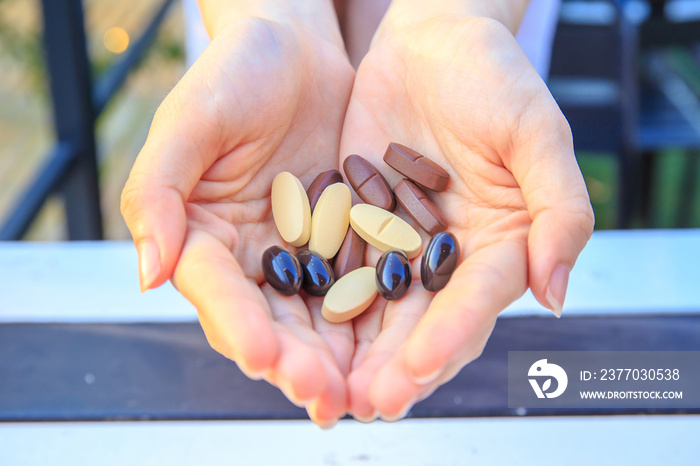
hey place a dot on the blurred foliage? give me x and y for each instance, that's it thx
(164, 49)
(600, 173)
(24, 48)
(686, 65)
(668, 198)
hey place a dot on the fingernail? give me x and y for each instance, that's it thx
(149, 264)
(425, 379)
(328, 424)
(399, 416)
(291, 396)
(556, 291)
(371, 418)
(416, 369)
(253, 375)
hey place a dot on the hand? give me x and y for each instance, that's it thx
(460, 90)
(266, 96)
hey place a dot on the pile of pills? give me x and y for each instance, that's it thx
(323, 216)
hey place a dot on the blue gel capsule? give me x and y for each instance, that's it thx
(282, 270)
(440, 259)
(318, 274)
(393, 274)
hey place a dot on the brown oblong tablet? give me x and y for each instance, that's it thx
(321, 182)
(368, 183)
(416, 167)
(420, 207)
(351, 255)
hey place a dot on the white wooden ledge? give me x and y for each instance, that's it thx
(642, 271)
(634, 440)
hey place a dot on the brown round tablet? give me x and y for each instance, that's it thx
(321, 182)
(416, 167)
(368, 183)
(351, 255)
(420, 207)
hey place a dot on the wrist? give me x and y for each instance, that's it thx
(317, 16)
(508, 12)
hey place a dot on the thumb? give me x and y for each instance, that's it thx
(154, 212)
(562, 219)
(182, 140)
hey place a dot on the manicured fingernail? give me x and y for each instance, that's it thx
(556, 291)
(149, 264)
(371, 418)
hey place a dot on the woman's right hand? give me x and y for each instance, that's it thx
(268, 95)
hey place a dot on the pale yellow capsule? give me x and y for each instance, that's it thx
(290, 209)
(330, 220)
(351, 295)
(384, 230)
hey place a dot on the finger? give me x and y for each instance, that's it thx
(332, 403)
(338, 337)
(314, 376)
(456, 325)
(359, 383)
(399, 320)
(300, 371)
(232, 310)
(371, 323)
(154, 211)
(416, 392)
(367, 328)
(204, 117)
(392, 392)
(544, 165)
(448, 374)
(181, 144)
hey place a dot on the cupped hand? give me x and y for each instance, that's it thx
(461, 91)
(265, 97)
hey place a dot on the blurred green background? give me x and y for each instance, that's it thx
(668, 202)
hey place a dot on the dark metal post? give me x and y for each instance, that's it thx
(71, 93)
(629, 169)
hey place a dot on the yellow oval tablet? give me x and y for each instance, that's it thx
(350, 295)
(290, 209)
(330, 220)
(384, 230)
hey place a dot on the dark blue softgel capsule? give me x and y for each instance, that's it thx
(318, 274)
(282, 270)
(440, 259)
(393, 274)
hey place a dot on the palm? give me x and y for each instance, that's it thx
(290, 122)
(274, 102)
(441, 100)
